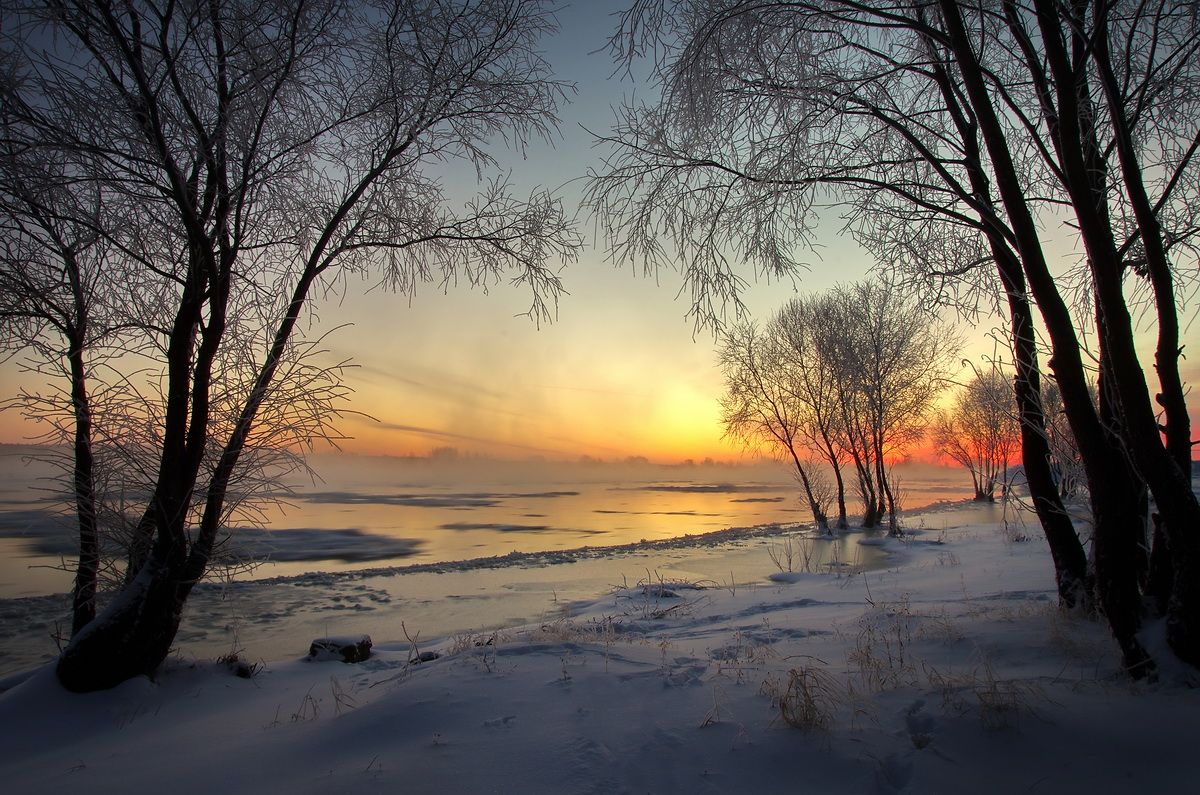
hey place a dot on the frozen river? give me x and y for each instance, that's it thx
(444, 547)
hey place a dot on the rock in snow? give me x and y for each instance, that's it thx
(347, 648)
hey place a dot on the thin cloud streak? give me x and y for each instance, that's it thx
(438, 382)
(452, 436)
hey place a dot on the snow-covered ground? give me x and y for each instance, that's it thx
(949, 670)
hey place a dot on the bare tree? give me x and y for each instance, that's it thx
(263, 152)
(812, 379)
(847, 375)
(953, 135)
(52, 289)
(70, 309)
(759, 406)
(890, 358)
(981, 431)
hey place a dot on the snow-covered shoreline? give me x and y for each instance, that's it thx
(263, 616)
(949, 670)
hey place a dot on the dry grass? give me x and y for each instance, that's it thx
(809, 699)
(999, 702)
(239, 665)
(881, 655)
(793, 554)
(656, 597)
(741, 658)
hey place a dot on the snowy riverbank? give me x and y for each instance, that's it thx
(948, 670)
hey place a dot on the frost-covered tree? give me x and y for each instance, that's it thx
(890, 358)
(955, 137)
(812, 380)
(759, 406)
(845, 376)
(980, 430)
(259, 153)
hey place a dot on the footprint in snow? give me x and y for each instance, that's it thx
(920, 724)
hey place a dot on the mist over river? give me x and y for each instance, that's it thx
(443, 545)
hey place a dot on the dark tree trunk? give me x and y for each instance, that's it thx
(1160, 575)
(1108, 490)
(872, 509)
(1084, 177)
(1066, 550)
(1070, 560)
(842, 524)
(866, 489)
(1167, 352)
(130, 638)
(83, 598)
(139, 546)
(872, 513)
(1118, 541)
(886, 497)
(83, 481)
(133, 635)
(819, 516)
(890, 496)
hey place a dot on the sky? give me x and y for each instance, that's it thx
(620, 372)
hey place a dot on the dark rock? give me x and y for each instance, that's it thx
(347, 648)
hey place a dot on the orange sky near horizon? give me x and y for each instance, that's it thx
(621, 372)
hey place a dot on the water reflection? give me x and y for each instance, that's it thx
(374, 511)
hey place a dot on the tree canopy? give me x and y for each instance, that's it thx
(232, 160)
(956, 139)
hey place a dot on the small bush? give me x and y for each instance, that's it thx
(240, 666)
(809, 699)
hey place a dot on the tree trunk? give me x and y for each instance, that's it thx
(819, 517)
(1118, 541)
(1160, 575)
(1108, 490)
(1070, 560)
(134, 633)
(1066, 550)
(83, 598)
(842, 524)
(1157, 466)
(130, 638)
(1176, 422)
(866, 488)
(887, 497)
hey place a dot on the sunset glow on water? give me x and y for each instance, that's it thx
(369, 512)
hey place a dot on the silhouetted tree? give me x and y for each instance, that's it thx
(52, 289)
(850, 374)
(261, 152)
(980, 431)
(890, 358)
(759, 406)
(812, 379)
(952, 136)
